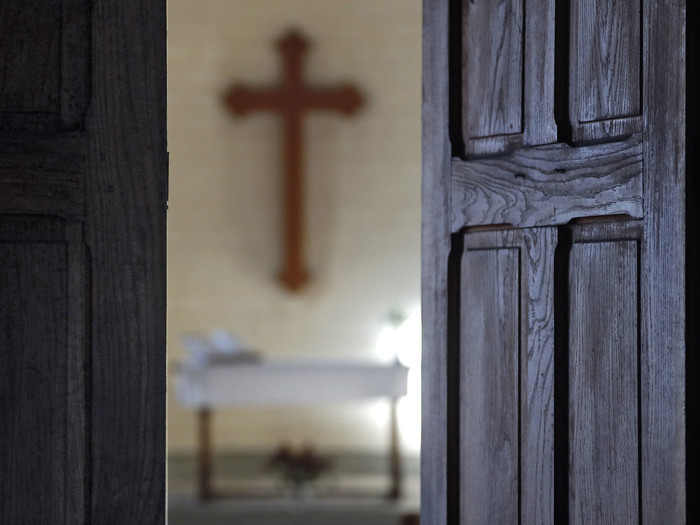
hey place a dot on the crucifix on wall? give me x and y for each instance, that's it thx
(292, 99)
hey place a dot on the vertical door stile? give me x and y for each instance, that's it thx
(434, 262)
(539, 126)
(663, 264)
(537, 376)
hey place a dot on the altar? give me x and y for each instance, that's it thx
(216, 385)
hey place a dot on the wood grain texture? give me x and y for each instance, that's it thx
(658, 198)
(604, 441)
(30, 39)
(77, 360)
(539, 126)
(537, 376)
(692, 262)
(605, 64)
(529, 282)
(44, 49)
(548, 185)
(43, 175)
(125, 233)
(42, 389)
(75, 63)
(489, 385)
(663, 264)
(434, 261)
(492, 73)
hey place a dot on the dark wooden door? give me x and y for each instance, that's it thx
(83, 167)
(553, 256)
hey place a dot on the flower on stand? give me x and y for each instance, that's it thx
(298, 466)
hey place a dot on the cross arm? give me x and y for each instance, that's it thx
(345, 99)
(242, 100)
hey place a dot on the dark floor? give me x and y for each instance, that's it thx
(353, 493)
(288, 512)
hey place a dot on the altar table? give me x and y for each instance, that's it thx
(215, 385)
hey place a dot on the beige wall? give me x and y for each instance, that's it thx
(363, 188)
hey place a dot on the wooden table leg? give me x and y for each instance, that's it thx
(395, 471)
(205, 462)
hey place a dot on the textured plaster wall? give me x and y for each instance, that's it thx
(362, 187)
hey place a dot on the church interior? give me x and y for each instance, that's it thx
(358, 208)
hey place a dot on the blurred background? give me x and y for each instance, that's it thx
(362, 206)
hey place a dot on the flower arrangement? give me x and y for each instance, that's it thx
(298, 466)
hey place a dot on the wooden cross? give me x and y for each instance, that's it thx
(292, 99)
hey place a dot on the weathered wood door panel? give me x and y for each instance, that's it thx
(42, 370)
(490, 384)
(506, 363)
(507, 72)
(553, 162)
(605, 69)
(83, 168)
(603, 373)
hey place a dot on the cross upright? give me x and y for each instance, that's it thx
(292, 99)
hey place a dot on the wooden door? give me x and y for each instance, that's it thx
(83, 168)
(553, 262)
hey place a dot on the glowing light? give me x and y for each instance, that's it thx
(408, 340)
(409, 412)
(400, 339)
(386, 345)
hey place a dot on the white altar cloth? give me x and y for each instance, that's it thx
(287, 382)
